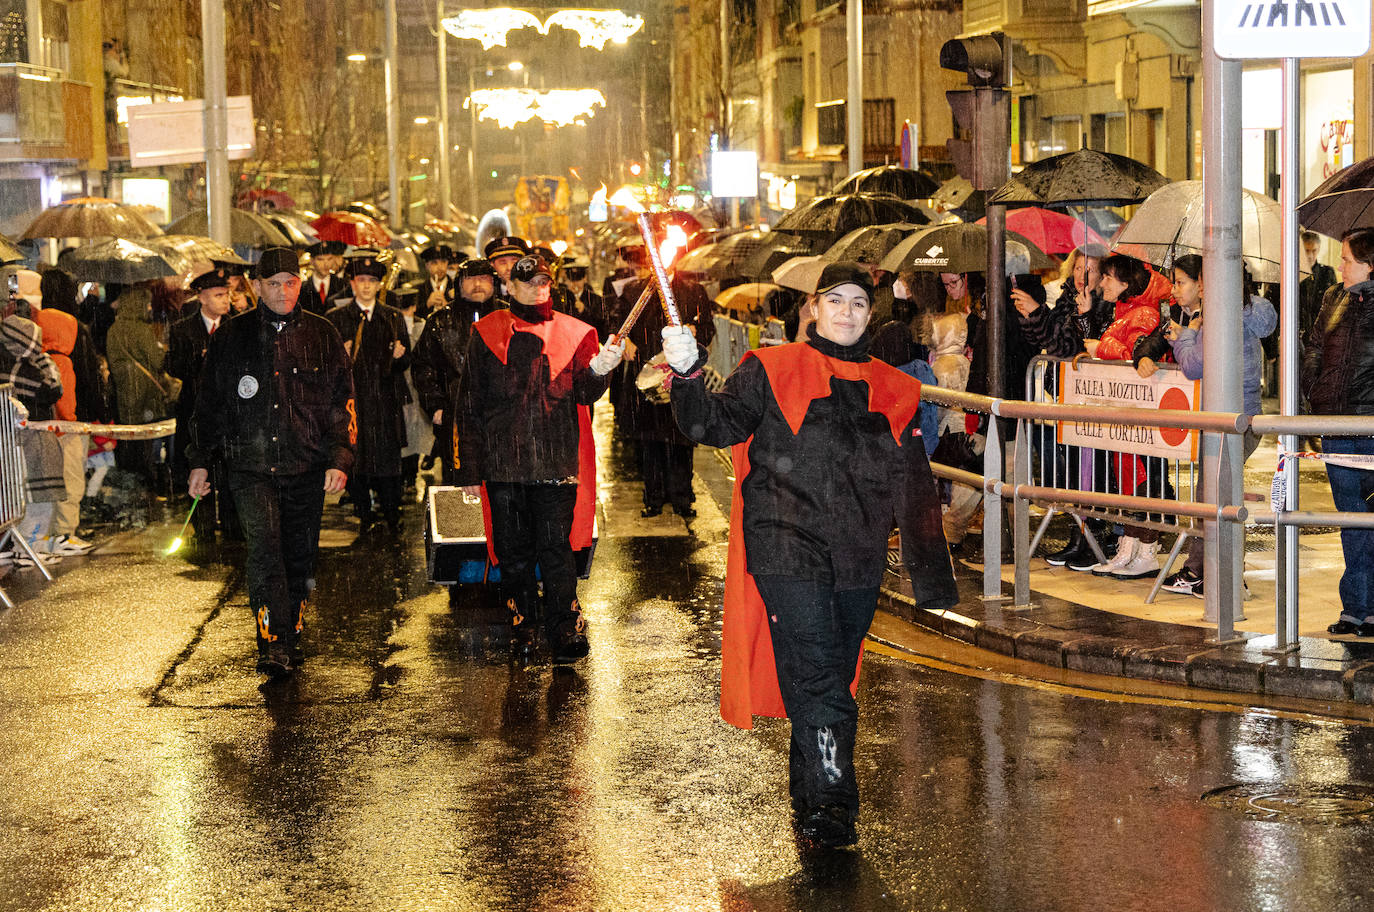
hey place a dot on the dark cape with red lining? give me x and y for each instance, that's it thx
(828, 460)
(523, 413)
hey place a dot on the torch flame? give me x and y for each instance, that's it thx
(625, 199)
(674, 240)
(599, 197)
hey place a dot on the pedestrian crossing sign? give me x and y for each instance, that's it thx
(1249, 29)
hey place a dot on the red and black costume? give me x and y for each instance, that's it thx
(525, 435)
(828, 459)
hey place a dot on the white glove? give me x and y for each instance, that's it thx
(679, 348)
(609, 356)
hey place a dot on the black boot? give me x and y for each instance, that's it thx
(1061, 557)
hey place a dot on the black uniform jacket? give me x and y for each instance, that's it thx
(379, 383)
(647, 420)
(428, 288)
(187, 342)
(523, 382)
(827, 479)
(436, 368)
(1338, 358)
(310, 295)
(587, 307)
(276, 397)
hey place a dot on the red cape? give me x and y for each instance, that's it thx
(562, 336)
(798, 375)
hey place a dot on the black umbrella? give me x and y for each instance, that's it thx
(1345, 200)
(776, 250)
(904, 183)
(121, 261)
(955, 247)
(1082, 178)
(870, 244)
(835, 216)
(246, 229)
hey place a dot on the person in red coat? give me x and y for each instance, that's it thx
(828, 459)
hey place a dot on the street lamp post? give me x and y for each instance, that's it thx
(445, 187)
(472, 143)
(392, 119)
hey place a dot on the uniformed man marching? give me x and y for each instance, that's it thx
(276, 405)
(503, 253)
(437, 362)
(437, 291)
(321, 293)
(376, 339)
(187, 342)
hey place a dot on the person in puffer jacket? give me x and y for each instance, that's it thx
(1338, 379)
(1142, 298)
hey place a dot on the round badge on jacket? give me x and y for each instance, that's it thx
(248, 386)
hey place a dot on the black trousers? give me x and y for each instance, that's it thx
(388, 488)
(817, 632)
(281, 525)
(530, 524)
(667, 472)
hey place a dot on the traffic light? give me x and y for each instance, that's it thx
(982, 114)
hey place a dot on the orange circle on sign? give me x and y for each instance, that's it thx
(1174, 399)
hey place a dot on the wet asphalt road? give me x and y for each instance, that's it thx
(410, 766)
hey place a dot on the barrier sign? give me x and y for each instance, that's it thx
(1119, 386)
(1247, 29)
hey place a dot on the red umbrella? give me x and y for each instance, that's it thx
(260, 198)
(352, 228)
(1052, 232)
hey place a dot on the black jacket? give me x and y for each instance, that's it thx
(821, 502)
(187, 341)
(427, 288)
(649, 420)
(1060, 331)
(1338, 360)
(518, 419)
(589, 307)
(276, 397)
(436, 369)
(310, 296)
(379, 383)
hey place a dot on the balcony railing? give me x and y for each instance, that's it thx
(42, 114)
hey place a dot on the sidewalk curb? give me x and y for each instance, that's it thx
(1064, 635)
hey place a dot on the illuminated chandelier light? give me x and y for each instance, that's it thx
(594, 27)
(560, 107)
(490, 26)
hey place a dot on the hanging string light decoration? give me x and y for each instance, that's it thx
(559, 107)
(594, 27)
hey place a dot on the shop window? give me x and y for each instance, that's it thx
(1060, 135)
(1107, 133)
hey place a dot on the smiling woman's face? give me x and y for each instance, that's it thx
(842, 314)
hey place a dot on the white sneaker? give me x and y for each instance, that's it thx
(40, 547)
(69, 544)
(1145, 562)
(1125, 552)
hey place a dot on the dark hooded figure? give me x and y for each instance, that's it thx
(377, 341)
(828, 459)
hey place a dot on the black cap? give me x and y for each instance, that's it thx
(506, 246)
(275, 260)
(837, 274)
(545, 253)
(331, 248)
(215, 278)
(438, 252)
(475, 267)
(633, 251)
(527, 268)
(365, 262)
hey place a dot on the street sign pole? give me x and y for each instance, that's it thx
(1286, 582)
(1221, 389)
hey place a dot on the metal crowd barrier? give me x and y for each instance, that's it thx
(1021, 489)
(1066, 466)
(12, 474)
(734, 338)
